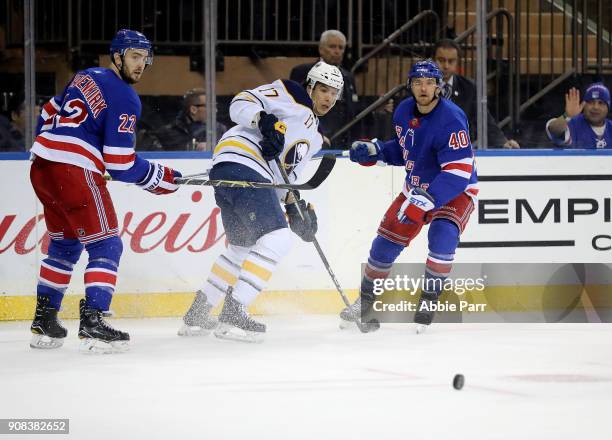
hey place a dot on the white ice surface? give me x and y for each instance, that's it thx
(309, 380)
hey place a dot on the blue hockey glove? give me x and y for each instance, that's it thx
(273, 132)
(366, 153)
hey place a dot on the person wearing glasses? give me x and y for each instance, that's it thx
(188, 130)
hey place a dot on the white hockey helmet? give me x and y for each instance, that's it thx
(326, 74)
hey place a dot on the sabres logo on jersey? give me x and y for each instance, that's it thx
(295, 154)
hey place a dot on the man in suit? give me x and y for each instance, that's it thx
(331, 49)
(462, 92)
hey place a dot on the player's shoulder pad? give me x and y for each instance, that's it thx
(99, 74)
(407, 103)
(452, 113)
(103, 75)
(117, 91)
(404, 109)
(297, 92)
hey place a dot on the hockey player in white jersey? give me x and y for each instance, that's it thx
(275, 121)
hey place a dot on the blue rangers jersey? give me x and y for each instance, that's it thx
(580, 134)
(92, 125)
(435, 149)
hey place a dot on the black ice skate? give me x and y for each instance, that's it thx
(236, 324)
(47, 330)
(424, 314)
(198, 321)
(97, 336)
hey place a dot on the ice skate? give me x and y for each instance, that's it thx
(235, 323)
(97, 336)
(423, 318)
(47, 330)
(198, 321)
(348, 315)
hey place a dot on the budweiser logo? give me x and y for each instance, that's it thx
(141, 233)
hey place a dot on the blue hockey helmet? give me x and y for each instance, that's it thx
(128, 39)
(425, 69)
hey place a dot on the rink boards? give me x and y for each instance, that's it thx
(534, 207)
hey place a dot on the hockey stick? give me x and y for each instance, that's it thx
(344, 153)
(190, 176)
(196, 175)
(364, 328)
(327, 165)
(204, 174)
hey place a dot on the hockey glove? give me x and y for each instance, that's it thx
(305, 228)
(160, 179)
(273, 132)
(366, 153)
(416, 206)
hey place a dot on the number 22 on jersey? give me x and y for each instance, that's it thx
(128, 123)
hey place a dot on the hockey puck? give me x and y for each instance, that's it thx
(458, 381)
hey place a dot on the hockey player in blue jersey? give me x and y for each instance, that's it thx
(82, 133)
(584, 124)
(432, 142)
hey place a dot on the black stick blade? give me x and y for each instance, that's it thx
(323, 171)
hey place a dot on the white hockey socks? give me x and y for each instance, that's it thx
(224, 273)
(260, 263)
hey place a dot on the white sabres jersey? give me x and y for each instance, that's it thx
(290, 103)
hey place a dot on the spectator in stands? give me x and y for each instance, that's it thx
(462, 92)
(12, 131)
(188, 130)
(332, 45)
(7, 138)
(584, 124)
